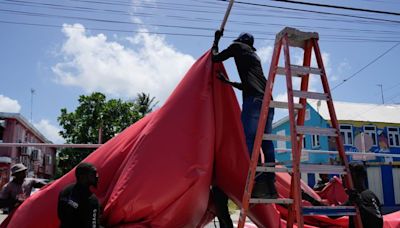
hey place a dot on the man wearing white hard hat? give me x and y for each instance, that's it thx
(19, 188)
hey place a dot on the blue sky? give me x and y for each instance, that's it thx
(66, 48)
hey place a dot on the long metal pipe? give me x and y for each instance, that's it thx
(50, 145)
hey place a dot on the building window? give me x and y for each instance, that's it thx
(48, 159)
(307, 115)
(2, 127)
(393, 136)
(315, 141)
(346, 131)
(371, 131)
(304, 142)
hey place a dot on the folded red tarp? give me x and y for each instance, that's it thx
(158, 172)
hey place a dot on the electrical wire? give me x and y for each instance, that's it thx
(354, 38)
(339, 7)
(317, 12)
(366, 66)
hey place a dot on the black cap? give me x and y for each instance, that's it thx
(84, 168)
(358, 169)
(246, 38)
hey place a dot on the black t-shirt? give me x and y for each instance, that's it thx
(78, 207)
(370, 210)
(248, 65)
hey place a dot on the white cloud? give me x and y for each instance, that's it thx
(49, 131)
(265, 54)
(9, 105)
(94, 63)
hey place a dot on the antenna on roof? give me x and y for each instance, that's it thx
(32, 93)
(383, 100)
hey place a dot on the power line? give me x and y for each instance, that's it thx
(315, 11)
(330, 38)
(271, 38)
(108, 11)
(354, 38)
(197, 19)
(363, 68)
(339, 7)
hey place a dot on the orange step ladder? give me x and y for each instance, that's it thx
(290, 37)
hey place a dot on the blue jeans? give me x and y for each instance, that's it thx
(250, 114)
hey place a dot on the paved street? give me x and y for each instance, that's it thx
(235, 219)
(2, 217)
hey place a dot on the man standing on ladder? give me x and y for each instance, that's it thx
(252, 85)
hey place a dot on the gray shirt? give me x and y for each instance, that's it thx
(13, 192)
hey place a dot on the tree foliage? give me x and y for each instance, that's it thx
(96, 114)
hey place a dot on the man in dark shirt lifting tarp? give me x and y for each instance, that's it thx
(77, 205)
(252, 84)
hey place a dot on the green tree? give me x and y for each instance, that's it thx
(144, 104)
(95, 115)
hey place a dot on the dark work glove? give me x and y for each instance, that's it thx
(222, 77)
(217, 36)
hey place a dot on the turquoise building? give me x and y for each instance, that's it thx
(380, 125)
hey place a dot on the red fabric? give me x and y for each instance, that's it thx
(158, 172)
(334, 192)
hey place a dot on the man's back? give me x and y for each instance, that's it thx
(370, 210)
(248, 65)
(78, 207)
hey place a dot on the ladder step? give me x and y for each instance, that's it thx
(310, 95)
(273, 169)
(276, 201)
(296, 37)
(329, 210)
(305, 168)
(299, 71)
(326, 169)
(281, 104)
(304, 130)
(273, 137)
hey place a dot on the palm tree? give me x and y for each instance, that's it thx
(144, 104)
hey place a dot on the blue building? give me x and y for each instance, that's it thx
(381, 126)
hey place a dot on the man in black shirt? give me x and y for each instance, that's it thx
(77, 205)
(252, 85)
(366, 200)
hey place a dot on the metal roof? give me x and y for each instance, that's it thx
(26, 123)
(364, 112)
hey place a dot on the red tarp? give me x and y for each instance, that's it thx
(334, 192)
(158, 172)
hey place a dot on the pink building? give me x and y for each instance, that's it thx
(14, 128)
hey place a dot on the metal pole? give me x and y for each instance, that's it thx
(46, 145)
(383, 100)
(32, 93)
(226, 15)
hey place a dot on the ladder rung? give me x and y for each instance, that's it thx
(329, 210)
(276, 201)
(304, 130)
(310, 95)
(298, 70)
(326, 169)
(281, 104)
(305, 168)
(273, 137)
(273, 169)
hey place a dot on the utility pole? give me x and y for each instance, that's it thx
(32, 93)
(383, 100)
